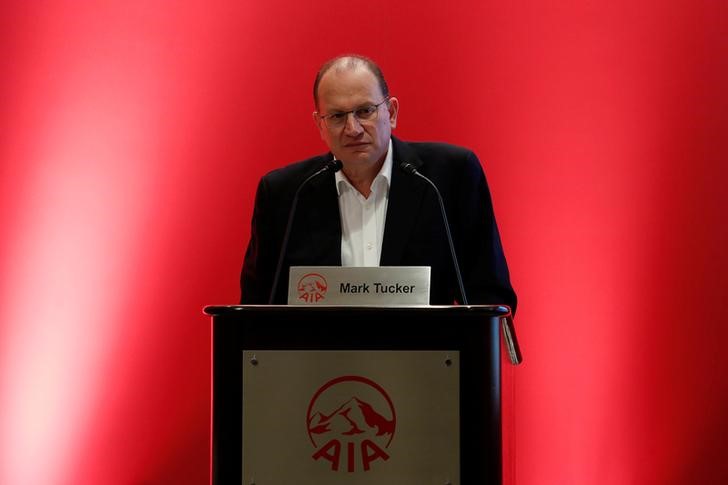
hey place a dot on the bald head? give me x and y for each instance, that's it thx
(349, 62)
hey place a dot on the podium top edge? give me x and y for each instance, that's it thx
(486, 310)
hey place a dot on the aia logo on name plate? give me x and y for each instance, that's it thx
(312, 288)
(351, 422)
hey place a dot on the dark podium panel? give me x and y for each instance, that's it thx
(471, 331)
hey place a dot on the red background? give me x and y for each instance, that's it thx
(132, 135)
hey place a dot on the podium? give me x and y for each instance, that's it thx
(356, 395)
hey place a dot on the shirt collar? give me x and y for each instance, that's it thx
(384, 175)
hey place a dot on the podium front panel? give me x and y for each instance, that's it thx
(366, 343)
(354, 417)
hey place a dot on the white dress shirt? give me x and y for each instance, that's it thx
(362, 219)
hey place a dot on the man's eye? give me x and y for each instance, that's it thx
(337, 116)
(365, 112)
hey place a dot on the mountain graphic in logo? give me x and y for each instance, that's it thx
(354, 417)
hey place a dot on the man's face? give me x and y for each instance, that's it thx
(356, 143)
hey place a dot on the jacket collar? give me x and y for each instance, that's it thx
(405, 200)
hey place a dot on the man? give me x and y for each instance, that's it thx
(373, 213)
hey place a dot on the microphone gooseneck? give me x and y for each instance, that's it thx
(412, 170)
(508, 329)
(330, 166)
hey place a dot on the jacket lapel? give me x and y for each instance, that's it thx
(318, 223)
(405, 199)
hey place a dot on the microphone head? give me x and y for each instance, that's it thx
(333, 165)
(408, 168)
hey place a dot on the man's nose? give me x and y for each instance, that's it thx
(353, 125)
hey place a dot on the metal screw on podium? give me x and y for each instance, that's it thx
(448, 362)
(253, 361)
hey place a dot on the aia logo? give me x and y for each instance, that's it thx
(350, 422)
(312, 288)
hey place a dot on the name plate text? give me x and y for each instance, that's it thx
(340, 285)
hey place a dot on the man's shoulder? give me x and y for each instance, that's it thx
(434, 150)
(427, 147)
(296, 171)
(437, 155)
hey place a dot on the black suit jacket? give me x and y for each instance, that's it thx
(414, 234)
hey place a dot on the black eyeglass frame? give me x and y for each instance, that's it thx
(342, 116)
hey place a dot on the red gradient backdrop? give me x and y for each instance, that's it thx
(132, 136)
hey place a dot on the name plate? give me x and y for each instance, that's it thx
(344, 285)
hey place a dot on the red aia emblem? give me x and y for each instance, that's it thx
(312, 288)
(351, 419)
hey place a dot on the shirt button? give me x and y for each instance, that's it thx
(370, 246)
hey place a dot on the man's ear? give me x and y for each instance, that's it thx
(393, 108)
(319, 124)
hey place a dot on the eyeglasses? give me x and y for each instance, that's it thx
(362, 114)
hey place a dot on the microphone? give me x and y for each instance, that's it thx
(330, 166)
(412, 170)
(509, 330)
